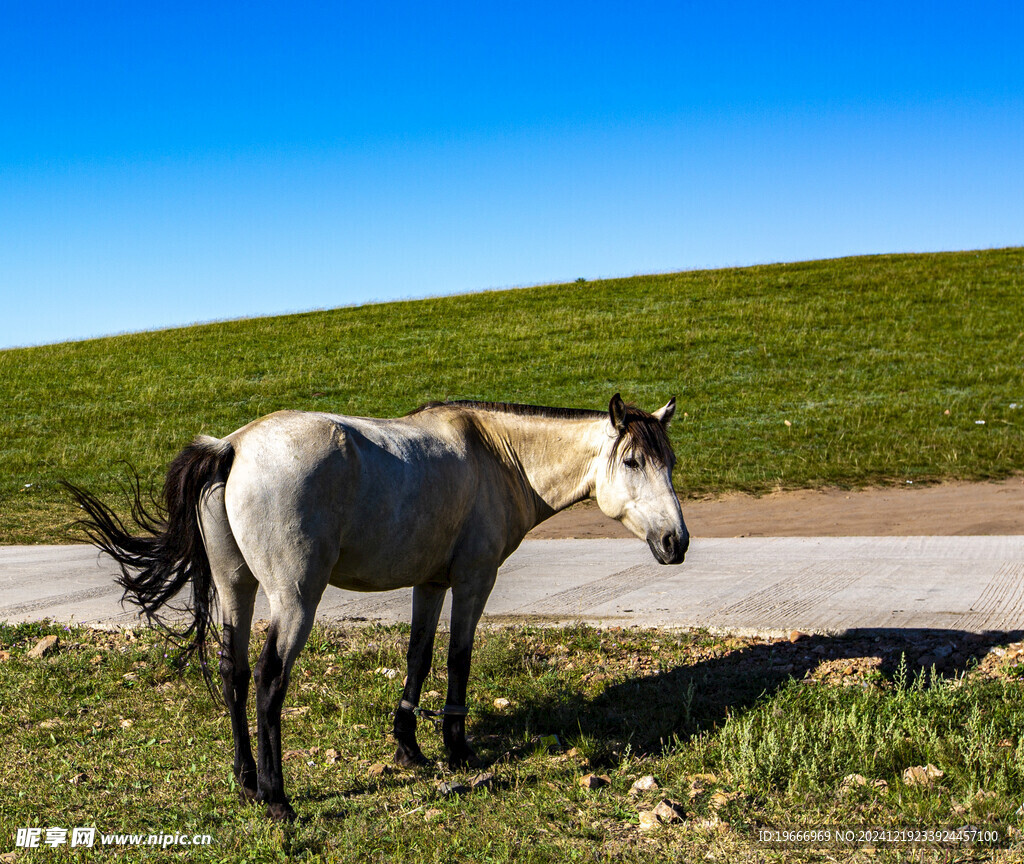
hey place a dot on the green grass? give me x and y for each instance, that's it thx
(104, 733)
(882, 366)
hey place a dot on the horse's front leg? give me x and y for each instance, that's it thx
(468, 599)
(427, 601)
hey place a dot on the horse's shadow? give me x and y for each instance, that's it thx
(650, 711)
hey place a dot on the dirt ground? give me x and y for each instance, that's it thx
(911, 510)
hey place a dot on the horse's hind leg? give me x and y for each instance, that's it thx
(427, 601)
(291, 619)
(236, 595)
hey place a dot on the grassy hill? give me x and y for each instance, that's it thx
(850, 371)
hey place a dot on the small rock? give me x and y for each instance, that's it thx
(386, 672)
(482, 781)
(433, 694)
(796, 635)
(712, 823)
(851, 780)
(647, 783)
(649, 820)
(922, 775)
(502, 703)
(670, 812)
(332, 756)
(44, 646)
(594, 781)
(720, 799)
(449, 789)
(378, 770)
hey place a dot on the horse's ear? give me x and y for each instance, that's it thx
(664, 414)
(617, 413)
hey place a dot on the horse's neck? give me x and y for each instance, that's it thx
(556, 458)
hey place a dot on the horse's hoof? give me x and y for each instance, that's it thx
(409, 758)
(281, 812)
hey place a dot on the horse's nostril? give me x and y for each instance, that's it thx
(670, 547)
(675, 546)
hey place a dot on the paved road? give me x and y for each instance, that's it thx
(821, 585)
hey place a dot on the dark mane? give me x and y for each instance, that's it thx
(643, 432)
(518, 410)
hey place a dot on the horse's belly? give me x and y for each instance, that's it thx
(359, 573)
(398, 544)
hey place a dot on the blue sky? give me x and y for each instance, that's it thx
(167, 163)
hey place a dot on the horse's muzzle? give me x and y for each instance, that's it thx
(670, 548)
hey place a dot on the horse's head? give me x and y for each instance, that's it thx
(634, 485)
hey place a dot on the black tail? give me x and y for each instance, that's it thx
(169, 553)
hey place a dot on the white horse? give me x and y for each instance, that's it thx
(435, 500)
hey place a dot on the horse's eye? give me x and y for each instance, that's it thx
(631, 463)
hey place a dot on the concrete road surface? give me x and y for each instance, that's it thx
(820, 585)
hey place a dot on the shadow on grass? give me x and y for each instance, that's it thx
(650, 711)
